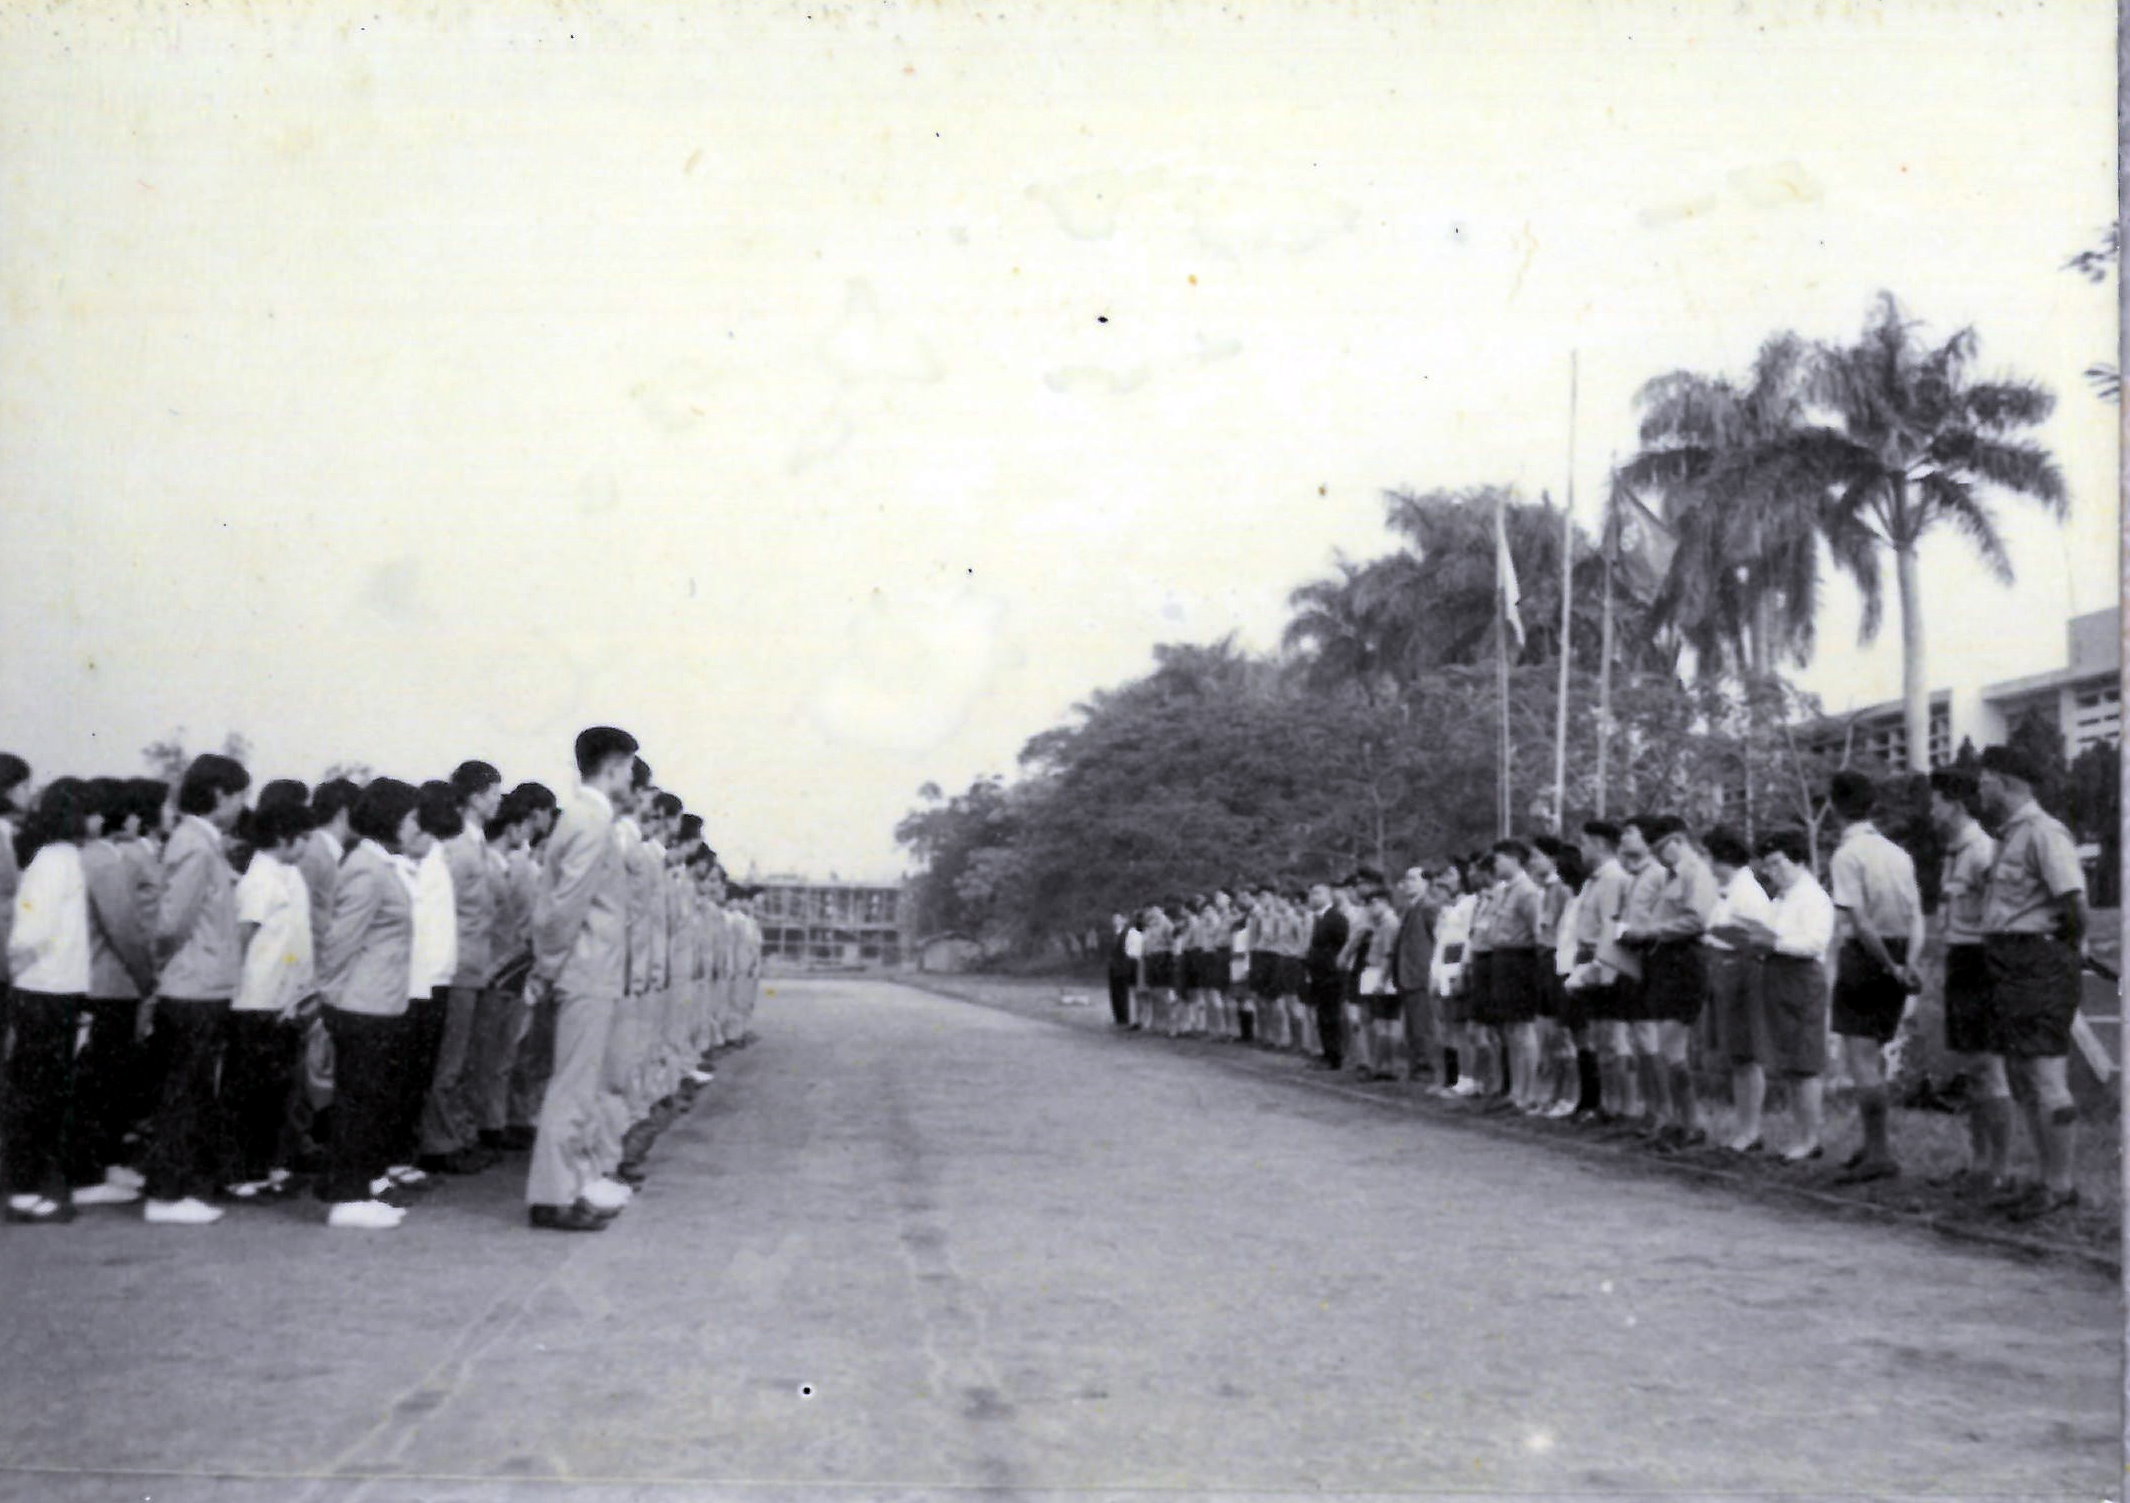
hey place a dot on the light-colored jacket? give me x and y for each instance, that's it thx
(369, 945)
(580, 911)
(474, 894)
(196, 922)
(121, 918)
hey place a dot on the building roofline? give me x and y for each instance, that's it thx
(2036, 683)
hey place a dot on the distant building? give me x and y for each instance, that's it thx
(2083, 700)
(832, 925)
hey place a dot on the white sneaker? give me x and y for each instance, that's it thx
(407, 1175)
(365, 1215)
(1466, 1086)
(131, 1179)
(378, 1186)
(701, 1077)
(278, 1177)
(186, 1212)
(607, 1194)
(106, 1194)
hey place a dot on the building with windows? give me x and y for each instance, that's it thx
(831, 925)
(2083, 699)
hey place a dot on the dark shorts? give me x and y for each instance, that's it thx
(1549, 986)
(1513, 987)
(1674, 981)
(1478, 996)
(1970, 1020)
(1161, 968)
(1263, 974)
(1793, 1003)
(1385, 1007)
(1735, 1007)
(2034, 991)
(1868, 1000)
(1293, 975)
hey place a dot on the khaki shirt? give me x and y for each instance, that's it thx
(1512, 923)
(1604, 900)
(1965, 885)
(1875, 883)
(1645, 885)
(1686, 899)
(2037, 863)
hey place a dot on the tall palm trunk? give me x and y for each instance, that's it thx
(1915, 687)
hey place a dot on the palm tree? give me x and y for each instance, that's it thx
(1338, 625)
(1744, 586)
(1910, 442)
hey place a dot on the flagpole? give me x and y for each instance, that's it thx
(1501, 644)
(1604, 691)
(1560, 727)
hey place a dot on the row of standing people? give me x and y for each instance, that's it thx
(1604, 981)
(380, 985)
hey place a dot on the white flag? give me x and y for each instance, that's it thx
(1505, 573)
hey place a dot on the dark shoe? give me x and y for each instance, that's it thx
(518, 1139)
(494, 1141)
(632, 1175)
(1867, 1171)
(458, 1161)
(578, 1217)
(1854, 1160)
(2042, 1204)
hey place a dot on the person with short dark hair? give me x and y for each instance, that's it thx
(1377, 986)
(1674, 975)
(506, 839)
(1124, 938)
(580, 955)
(109, 1068)
(273, 910)
(48, 956)
(1328, 936)
(474, 1015)
(2034, 932)
(1738, 1030)
(1506, 940)
(196, 930)
(1881, 913)
(1970, 1029)
(1410, 959)
(14, 772)
(1554, 1083)
(1793, 982)
(427, 1144)
(362, 970)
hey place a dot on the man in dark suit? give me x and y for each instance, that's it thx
(1328, 933)
(1410, 962)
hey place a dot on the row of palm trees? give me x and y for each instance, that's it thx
(1822, 456)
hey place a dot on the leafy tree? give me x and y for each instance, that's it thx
(1912, 443)
(2097, 263)
(167, 758)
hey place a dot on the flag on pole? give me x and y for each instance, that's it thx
(1505, 573)
(1642, 546)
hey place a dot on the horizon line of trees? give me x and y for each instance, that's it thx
(1370, 736)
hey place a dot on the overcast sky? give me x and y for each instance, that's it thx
(834, 396)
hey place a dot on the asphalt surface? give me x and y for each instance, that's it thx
(908, 1246)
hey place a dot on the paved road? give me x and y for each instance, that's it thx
(909, 1244)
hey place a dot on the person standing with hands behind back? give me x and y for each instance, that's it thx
(1879, 914)
(1328, 933)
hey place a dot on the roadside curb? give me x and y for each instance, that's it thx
(1517, 1129)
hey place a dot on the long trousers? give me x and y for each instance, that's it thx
(184, 1146)
(40, 1092)
(535, 1063)
(106, 1088)
(500, 1021)
(1423, 1048)
(257, 1066)
(419, 1045)
(1120, 999)
(447, 1125)
(567, 1152)
(1327, 999)
(369, 1094)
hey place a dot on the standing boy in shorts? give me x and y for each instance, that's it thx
(1881, 924)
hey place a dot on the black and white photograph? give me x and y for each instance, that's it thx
(1083, 752)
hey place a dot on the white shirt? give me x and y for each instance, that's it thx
(1134, 943)
(277, 972)
(1564, 936)
(435, 952)
(1803, 919)
(49, 946)
(1741, 899)
(1453, 928)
